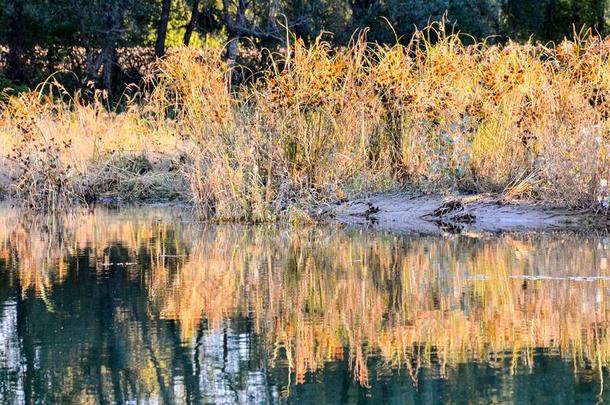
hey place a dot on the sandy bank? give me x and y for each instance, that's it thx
(434, 214)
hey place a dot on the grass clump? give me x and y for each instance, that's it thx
(322, 123)
(40, 178)
(62, 151)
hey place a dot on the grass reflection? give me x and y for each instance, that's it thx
(316, 295)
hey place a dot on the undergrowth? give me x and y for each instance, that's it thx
(321, 123)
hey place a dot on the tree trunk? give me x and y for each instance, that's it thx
(14, 62)
(232, 50)
(192, 23)
(106, 59)
(110, 65)
(162, 28)
(274, 11)
(234, 26)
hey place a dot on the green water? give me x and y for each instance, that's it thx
(148, 306)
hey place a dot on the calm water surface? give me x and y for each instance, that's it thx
(146, 306)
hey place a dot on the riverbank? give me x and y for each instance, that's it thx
(322, 124)
(408, 212)
(434, 214)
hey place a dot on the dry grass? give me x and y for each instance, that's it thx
(58, 153)
(320, 123)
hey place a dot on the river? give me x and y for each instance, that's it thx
(147, 305)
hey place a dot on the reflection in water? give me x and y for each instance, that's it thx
(143, 305)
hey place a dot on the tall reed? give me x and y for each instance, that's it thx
(321, 123)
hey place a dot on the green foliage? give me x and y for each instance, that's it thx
(8, 87)
(49, 35)
(552, 20)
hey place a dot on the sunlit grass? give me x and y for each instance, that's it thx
(318, 123)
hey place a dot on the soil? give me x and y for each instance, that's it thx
(435, 214)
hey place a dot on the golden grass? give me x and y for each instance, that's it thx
(322, 123)
(71, 151)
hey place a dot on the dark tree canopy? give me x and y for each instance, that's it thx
(84, 36)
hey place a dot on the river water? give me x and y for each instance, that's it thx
(146, 305)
